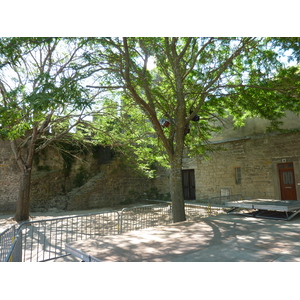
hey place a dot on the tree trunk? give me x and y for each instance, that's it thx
(25, 166)
(176, 190)
(22, 210)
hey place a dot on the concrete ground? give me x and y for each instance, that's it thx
(222, 238)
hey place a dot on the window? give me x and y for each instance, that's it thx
(238, 175)
(288, 177)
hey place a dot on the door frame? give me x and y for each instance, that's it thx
(289, 166)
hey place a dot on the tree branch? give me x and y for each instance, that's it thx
(147, 108)
(107, 87)
(220, 70)
(194, 60)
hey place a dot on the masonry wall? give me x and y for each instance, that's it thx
(93, 180)
(9, 178)
(258, 158)
(115, 183)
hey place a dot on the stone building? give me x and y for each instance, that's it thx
(252, 162)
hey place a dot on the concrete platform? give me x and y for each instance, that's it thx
(267, 204)
(266, 208)
(223, 238)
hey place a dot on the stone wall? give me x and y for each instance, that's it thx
(257, 157)
(9, 178)
(97, 179)
(92, 180)
(115, 183)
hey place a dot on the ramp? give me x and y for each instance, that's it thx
(265, 208)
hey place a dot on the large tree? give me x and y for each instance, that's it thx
(42, 97)
(195, 81)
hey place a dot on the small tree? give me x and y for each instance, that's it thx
(195, 81)
(42, 98)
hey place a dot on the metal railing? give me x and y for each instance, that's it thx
(45, 239)
(37, 241)
(195, 211)
(223, 199)
(201, 208)
(6, 240)
(140, 217)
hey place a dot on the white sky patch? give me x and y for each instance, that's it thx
(151, 63)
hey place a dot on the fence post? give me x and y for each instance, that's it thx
(120, 222)
(17, 252)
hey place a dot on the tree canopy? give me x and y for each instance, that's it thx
(41, 81)
(204, 79)
(196, 81)
(43, 95)
(158, 95)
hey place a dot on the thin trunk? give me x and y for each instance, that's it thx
(25, 165)
(176, 190)
(22, 210)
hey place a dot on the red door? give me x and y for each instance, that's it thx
(287, 181)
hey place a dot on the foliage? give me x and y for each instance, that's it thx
(288, 47)
(131, 134)
(211, 78)
(43, 95)
(81, 177)
(194, 84)
(41, 83)
(69, 147)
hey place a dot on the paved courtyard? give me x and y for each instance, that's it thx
(222, 238)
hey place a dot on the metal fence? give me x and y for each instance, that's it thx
(140, 217)
(223, 199)
(6, 240)
(195, 211)
(44, 240)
